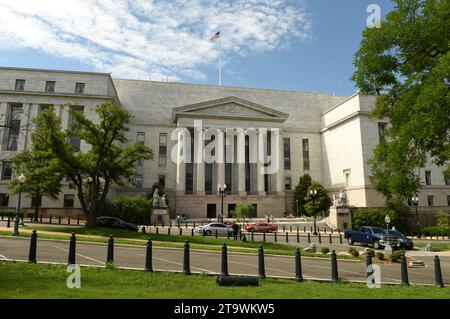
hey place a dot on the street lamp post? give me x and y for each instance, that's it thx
(388, 247)
(22, 179)
(221, 190)
(415, 202)
(297, 206)
(313, 193)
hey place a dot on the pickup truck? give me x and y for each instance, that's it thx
(367, 235)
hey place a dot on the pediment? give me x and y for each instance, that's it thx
(229, 107)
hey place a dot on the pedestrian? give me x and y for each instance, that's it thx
(235, 228)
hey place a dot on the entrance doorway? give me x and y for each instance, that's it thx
(231, 208)
(211, 211)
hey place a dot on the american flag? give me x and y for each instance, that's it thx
(215, 36)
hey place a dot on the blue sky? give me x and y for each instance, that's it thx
(304, 45)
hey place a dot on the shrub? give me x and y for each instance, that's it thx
(132, 209)
(380, 256)
(443, 219)
(395, 256)
(325, 250)
(436, 231)
(354, 252)
(243, 211)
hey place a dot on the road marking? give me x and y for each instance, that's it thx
(174, 262)
(89, 258)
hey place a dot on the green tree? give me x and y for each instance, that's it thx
(43, 177)
(105, 161)
(243, 211)
(318, 201)
(300, 192)
(406, 63)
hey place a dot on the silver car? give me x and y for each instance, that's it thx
(210, 229)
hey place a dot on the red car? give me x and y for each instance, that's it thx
(261, 227)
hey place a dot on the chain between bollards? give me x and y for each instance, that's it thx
(298, 266)
(33, 247)
(261, 263)
(72, 249)
(186, 261)
(224, 264)
(148, 256)
(334, 267)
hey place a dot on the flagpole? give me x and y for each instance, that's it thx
(220, 61)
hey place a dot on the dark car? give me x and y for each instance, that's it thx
(402, 240)
(114, 222)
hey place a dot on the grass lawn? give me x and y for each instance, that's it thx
(440, 246)
(24, 280)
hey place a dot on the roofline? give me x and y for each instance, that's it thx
(340, 103)
(54, 71)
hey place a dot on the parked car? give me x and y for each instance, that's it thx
(402, 240)
(368, 235)
(114, 222)
(261, 227)
(210, 229)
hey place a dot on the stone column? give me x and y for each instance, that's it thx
(220, 157)
(262, 144)
(3, 112)
(181, 165)
(199, 162)
(241, 162)
(23, 130)
(280, 158)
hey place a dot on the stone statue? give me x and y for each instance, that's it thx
(156, 199)
(163, 201)
(342, 198)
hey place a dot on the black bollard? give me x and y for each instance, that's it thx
(275, 237)
(304, 229)
(368, 263)
(261, 265)
(340, 239)
(253, 235)
(331, 239)
(334, 267)
(33, 246)
(309, 238)
(157, 231)
(40, 219)
(320, 239)
(162, 224)
(287, 237)
(72, 249)
(216, 235)
(181, 231)
(298, 266)
(8, 224)
(148, 256)
(59, 219)
(284, 229)
(50, 221)
(310, 230)
(290, 228)
(264, 237)
(194, 224)
(78, 220)
(224, 265)
(31, 219)
(144, 231)
(192, 232)
(68, 220)
(298, 236)
(438, 273)
(186, 262)
(168, 230)
(228, 235)
(405, 281)
(186, 225)
(110, 254)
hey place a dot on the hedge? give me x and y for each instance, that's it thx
(436, 231)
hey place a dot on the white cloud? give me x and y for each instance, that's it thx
(151, 38)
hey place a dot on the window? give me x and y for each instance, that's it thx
(287, 183)
(448, 200)
(20, 85)
(69, 201)
(79, 88)
(447, 180)
(13, 130)
(140, 138)
(430, 200)
(74, 140)
(287, 153)
(140, 162)
(305, 144)
(50, 86)
(428, 178)
(44, 108)
(381, 132)
(162, 180)
(4, 200)
(6, 170)
(162, 149)
(139, 181)
(347, 177)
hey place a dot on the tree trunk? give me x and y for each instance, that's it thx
(36, 212)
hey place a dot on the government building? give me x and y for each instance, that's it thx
(329, 137)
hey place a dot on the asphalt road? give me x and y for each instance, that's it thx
(205, 261)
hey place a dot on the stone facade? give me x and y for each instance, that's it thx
(329, 137)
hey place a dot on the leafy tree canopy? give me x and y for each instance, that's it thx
(406, 63)
(317, 202)
(300, 192)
